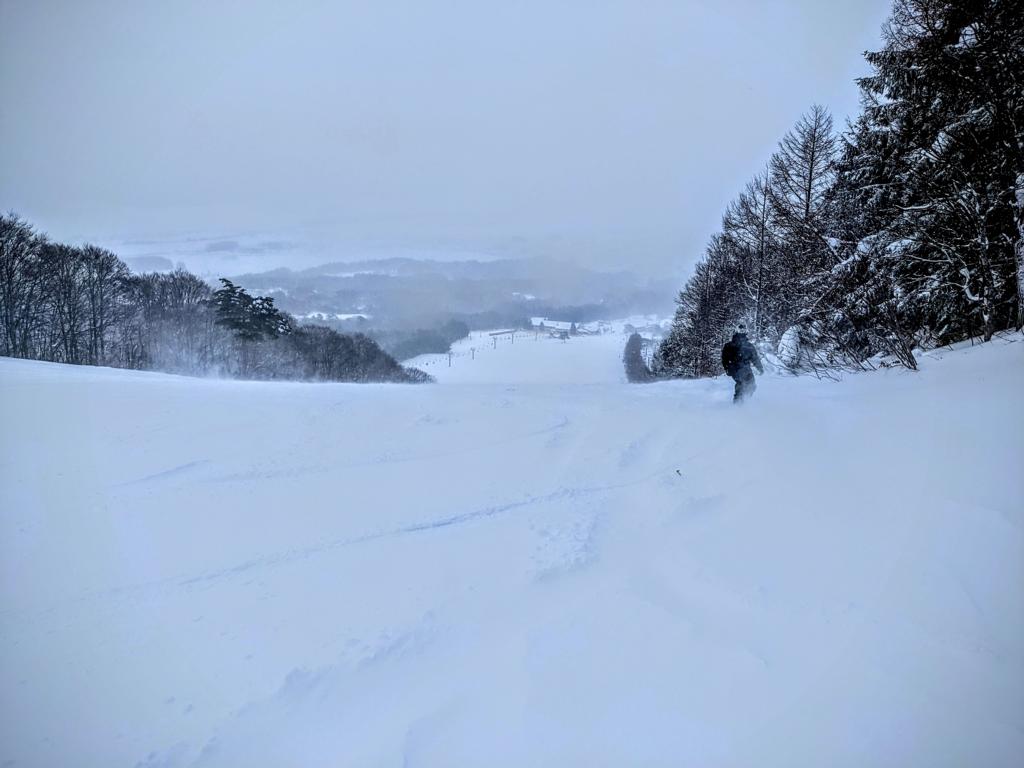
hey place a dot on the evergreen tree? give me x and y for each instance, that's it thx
(249, 318)
(907, 231)
(936, 163)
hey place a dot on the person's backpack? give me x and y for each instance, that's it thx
(730, 357)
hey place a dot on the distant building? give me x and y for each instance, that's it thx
(560, 329)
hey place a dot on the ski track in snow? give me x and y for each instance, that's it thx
(286, 557)
(167, 474)
(383, 459)
(527, 563)
(424, 527)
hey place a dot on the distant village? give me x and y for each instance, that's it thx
(563, 329)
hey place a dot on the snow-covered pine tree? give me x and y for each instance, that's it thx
(860, 309)
(939, 158)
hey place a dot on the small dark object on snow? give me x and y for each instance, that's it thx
(737, 357)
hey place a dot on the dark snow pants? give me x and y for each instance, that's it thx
(745, 384)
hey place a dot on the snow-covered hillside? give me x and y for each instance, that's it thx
(527, 563)
(527, 357)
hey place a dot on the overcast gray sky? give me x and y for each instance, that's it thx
(616, 131)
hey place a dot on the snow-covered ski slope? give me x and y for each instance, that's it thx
(529, 563)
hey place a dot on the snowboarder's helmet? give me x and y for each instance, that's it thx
(741, 328)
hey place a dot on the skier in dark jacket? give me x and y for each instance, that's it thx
(737, 357)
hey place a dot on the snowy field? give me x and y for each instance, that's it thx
(529, 563)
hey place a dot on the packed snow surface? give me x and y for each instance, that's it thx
(529, 563)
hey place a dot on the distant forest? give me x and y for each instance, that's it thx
(904, 231)
(81, 305)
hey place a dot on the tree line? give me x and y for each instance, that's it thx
(406, 344)
(82, 305)
(904, 231)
